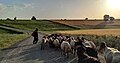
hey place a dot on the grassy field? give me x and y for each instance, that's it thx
(2, 31)
(7, 40)
(8, 37)
(42, 25)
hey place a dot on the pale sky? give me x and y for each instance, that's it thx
(46, 9)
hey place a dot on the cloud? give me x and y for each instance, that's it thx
(30, 5)
(16, 7)
(2, 7)
(10, 10)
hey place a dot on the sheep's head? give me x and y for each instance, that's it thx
(102, 47)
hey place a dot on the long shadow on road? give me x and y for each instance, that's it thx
(13, 47)
(33, 54)
(46, 56)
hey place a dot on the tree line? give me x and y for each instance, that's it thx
(105, 18)
(15, 18)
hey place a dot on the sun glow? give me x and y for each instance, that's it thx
(115, 4)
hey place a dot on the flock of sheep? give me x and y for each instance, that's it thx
(68, 44)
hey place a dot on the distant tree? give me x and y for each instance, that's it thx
(86, 19)
(112, 18)
(65, 19)
(8, 19)
(33, 18)
(106, 17)
(15, 18)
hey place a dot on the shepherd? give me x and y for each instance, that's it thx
(35, 35)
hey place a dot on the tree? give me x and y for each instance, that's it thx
(112, 18)
(8, 19)
(106, 17)
(15, 18)
(33, 18)
(65, 19)
(86, 19)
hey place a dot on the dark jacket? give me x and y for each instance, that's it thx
(35, 34)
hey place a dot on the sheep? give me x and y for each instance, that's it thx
(66, 48)
(43, 42)
(111, 55)
(56, 43)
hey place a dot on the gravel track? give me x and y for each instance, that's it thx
(26, 52)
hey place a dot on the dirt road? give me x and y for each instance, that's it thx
(26, 52)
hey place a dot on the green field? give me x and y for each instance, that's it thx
(2, 31)
(8, 37)
(7, 40)
(42, 25)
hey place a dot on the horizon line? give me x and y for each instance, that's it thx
(59, 18)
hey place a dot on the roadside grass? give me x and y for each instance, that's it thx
(8, 38)
(4, 31)
(110, 40)
(42, 25)
(110, 36)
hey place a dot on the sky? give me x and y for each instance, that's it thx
(57, 9)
